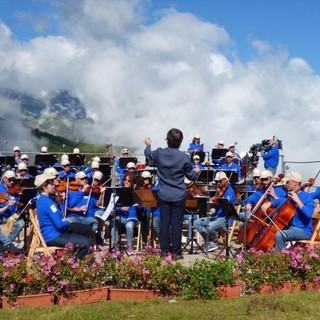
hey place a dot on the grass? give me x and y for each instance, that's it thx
(301, 305)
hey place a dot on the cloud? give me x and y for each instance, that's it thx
(140, 79)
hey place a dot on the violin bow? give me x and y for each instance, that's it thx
(66, 200)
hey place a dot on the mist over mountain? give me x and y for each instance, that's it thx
(56, 112)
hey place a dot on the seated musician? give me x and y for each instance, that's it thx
(22, 171)
(217, 162)
(25, 159)
(124, 154)
(236, 155)
(8, 208)
(231, 165)
(257, 183)
(144, 182)
(16, 154)
(79, 202)
(125, 217)
(300, 226)
(54, 227)
(196, 163)
(316, 195)
(195, 145)
(95, 166)
(208, 226)
(273, 192)
(66, 171)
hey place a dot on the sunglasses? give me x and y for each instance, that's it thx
(219, 181)
(264, 179)
(23, 170)
(85, 178)
(11, 179)
(127, 180)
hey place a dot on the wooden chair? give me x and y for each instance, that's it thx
(235, 225)
(36, 242)
(315, 237)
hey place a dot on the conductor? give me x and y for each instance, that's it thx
(173, 166)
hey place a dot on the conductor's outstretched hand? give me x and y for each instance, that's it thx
(147, 140)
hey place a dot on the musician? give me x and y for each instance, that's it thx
(63, 157)
(53, 226)
(300, 226)
(95, 166)
(131, 167)
(197, 163)
(256, 174)
(195, 145)
(217, 162)
(144, 182)
(231, 165)
(232, 149)
(271, 157)
(316, 195)
(208, 226)
(16, 154)
(273, 193)
(66, 171)
(172, 167)
(80, 205)
(125, 217)
(24, 159)
(22, 171)
(44, 150)
(8, 209)
(124, 154)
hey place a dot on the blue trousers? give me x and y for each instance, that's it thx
(290, 234)
(77, 239)
(171, 214)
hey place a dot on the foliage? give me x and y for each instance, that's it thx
(297, 264)
(201, 280)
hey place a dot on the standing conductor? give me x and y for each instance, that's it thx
(172, 167)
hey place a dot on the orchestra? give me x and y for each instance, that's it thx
(79, 193)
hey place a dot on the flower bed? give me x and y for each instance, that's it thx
(63, 276)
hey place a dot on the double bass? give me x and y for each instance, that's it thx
(279, 219)
(258, 218)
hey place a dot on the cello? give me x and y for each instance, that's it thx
(279, 219)
(258, 218)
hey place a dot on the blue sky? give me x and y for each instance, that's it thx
(290, 24)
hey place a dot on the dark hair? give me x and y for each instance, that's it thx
(132, 177)
(174, 138)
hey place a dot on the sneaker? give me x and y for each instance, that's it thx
(130, 251)
(208, 247)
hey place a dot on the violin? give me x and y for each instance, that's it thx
(93, 190)
(61, 187)
(4, 197)
(219, 194)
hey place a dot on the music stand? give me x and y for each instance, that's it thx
(125, 199)
(230, 213)
(33, 170)
(218, 153)
(76, 160)
(6, 161)
(105, 168)
(123, 161)
(108, 160)
(47, 159)
(202, 211)
(206, 176)
(232, 176)
(25, 202)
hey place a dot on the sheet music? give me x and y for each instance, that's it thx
(110, 207)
